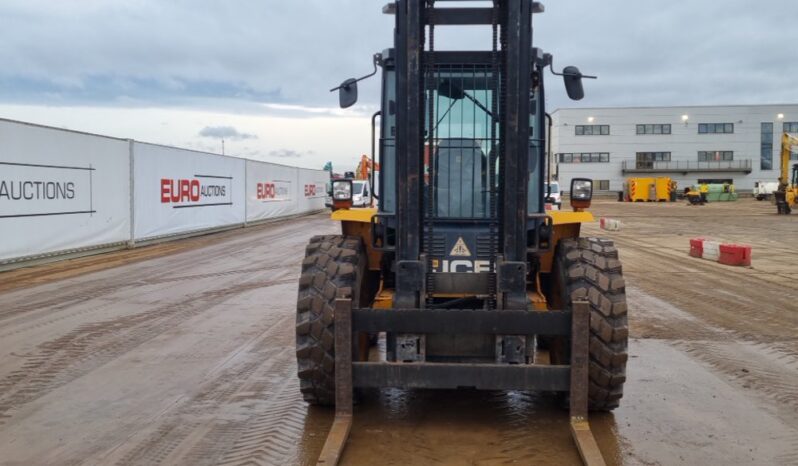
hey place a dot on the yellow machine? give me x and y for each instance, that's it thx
(659, 189)
(460, 270)
(693, 196)
(787, 194)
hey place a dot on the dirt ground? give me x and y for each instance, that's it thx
(183, 354)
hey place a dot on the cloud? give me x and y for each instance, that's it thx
(183, 52)
(209, 54)
(225, 132)
(123, 67)
(289, 153)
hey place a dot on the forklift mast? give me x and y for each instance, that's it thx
(502, 83)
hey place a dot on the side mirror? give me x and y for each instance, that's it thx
(450, 90)
(573, 82)
(347, 93)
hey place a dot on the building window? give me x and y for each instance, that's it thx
(715, 128)
(791, 127)
(645, 160)
(592, 130)
(766, 147)
(654, 129)
(586, 157)
(654, 156)
(602, 185)
(715, 155)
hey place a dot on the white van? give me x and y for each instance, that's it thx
(361, 193)
(765, 189)
(555, 196)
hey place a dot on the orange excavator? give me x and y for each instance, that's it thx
(365, 167)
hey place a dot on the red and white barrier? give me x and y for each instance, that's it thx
(697, 247)
(735, 254)
(711, 250)
(724, 253)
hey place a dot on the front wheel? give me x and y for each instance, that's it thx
(333, 267)
(588, 269)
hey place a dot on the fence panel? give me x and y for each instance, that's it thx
(179, 191)
(61, 191)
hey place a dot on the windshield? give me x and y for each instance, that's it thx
(357, 187)
(555, 188)
(463, 136)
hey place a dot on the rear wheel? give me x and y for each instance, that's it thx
(589, 269)
(333, 267)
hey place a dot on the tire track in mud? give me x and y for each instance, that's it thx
(77, 299)
(270, 438)
(756, 367)
(226, 273)
(651, 317)
(251, 413)
(764, 372)
(719, 297)
(91, 345)
(67, 293)
(735, 324)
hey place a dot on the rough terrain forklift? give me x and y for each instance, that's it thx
(460, 268)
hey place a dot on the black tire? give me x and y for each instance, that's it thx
(589, 269)
(333, 268)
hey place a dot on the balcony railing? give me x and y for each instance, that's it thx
(687, 166)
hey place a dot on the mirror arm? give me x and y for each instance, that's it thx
(551, 68)
(376, 60)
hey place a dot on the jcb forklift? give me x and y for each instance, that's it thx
(460, 268)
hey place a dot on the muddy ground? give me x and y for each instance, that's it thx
(183, 354)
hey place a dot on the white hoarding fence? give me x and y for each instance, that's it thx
(313, 189)
(61, 190)
(180, 191)
(272, 191)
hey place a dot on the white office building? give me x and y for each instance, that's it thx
(737, 143)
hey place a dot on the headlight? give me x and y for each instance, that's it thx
(342, 190)
(581, 189)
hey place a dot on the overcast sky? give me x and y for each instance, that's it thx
(257, 72)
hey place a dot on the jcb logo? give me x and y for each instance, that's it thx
(461, 266)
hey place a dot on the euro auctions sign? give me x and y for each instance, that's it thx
(198, 191)
(39, 190)
(61, 191)
(273, 191)
(178, 190)
(315, 190)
